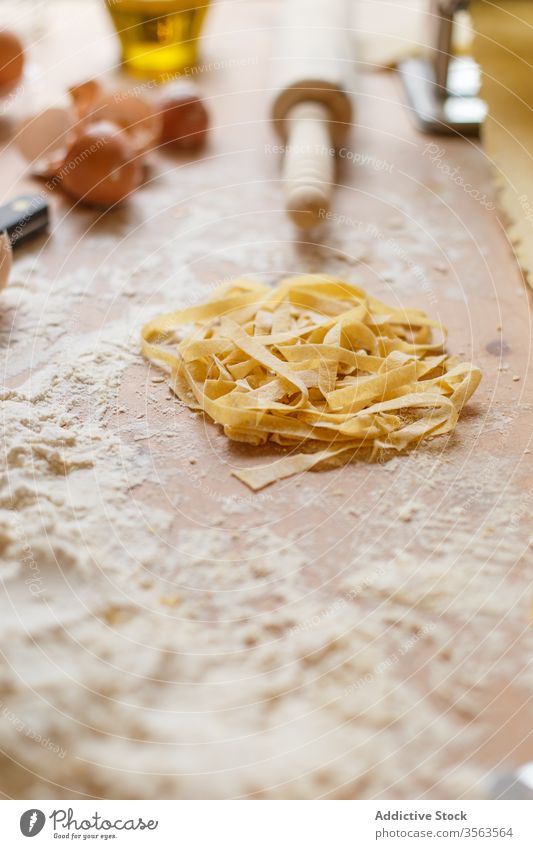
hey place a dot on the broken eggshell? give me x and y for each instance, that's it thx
(100, 167)
(84, 96)
(42, 138)
(139, 119)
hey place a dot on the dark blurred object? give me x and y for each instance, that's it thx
(24, 218)
(513, 784)
(21, 219)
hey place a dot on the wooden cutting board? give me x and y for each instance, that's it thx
(357, 632)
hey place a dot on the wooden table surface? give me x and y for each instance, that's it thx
(359, 632)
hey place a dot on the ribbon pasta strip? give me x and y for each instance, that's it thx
(314, 364)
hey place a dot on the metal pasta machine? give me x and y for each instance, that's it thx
(442, 89)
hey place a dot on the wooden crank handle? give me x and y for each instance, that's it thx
(309, 164)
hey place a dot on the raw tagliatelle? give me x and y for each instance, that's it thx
(314, 364)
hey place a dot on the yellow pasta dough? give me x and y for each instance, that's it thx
(315, 365)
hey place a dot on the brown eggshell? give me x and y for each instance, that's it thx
(100, 167)
(137, 116)
(185, 120)
(42, 138)
(84, 96)
(11, 60)
(6, 259)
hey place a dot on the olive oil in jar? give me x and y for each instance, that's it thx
(158, 37)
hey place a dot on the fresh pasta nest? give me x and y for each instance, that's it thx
(314, 364)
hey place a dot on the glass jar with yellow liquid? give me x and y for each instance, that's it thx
(159, 38)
